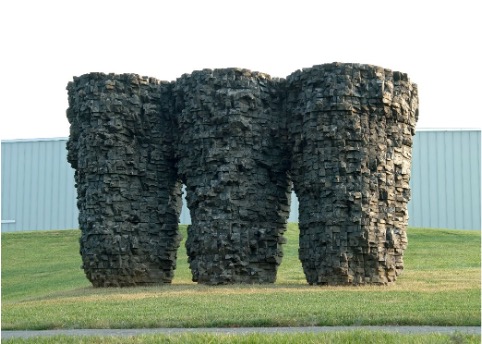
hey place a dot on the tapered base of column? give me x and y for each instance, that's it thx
(241, 254)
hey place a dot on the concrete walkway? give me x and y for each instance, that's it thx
(242, 330)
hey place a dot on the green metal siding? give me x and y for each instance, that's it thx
(38, 184)
(445, 179)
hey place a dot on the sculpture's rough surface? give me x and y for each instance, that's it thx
(351, 130)
(235, 168)
(129, 196)
(341, 133)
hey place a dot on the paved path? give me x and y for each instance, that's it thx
(242, 330)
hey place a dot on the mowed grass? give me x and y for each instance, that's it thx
(43, 287)
(352, 337)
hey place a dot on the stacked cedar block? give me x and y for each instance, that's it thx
(340, 134)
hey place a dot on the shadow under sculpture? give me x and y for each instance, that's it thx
(342, 132)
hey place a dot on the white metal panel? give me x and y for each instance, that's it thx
(185, 217)
(37, 186)
(445, 180)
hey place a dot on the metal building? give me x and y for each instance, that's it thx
(445, 179)
(38, 189)
(38, 185)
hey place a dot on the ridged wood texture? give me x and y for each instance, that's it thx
(343, 132)
(351, 129)
(129, 197)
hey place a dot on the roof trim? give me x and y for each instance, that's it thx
(448, 129)
(36, 140)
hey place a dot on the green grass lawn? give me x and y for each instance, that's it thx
(43, 287)
(351, 337)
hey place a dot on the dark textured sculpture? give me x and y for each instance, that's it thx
(351, 130)
(129, 197)
(341, 133)
(234, 166)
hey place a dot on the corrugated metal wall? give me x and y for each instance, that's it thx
(445, 179)
(38, 184)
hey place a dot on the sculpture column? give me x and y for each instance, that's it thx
(351, 129)
(234, 161)
(129, 198)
